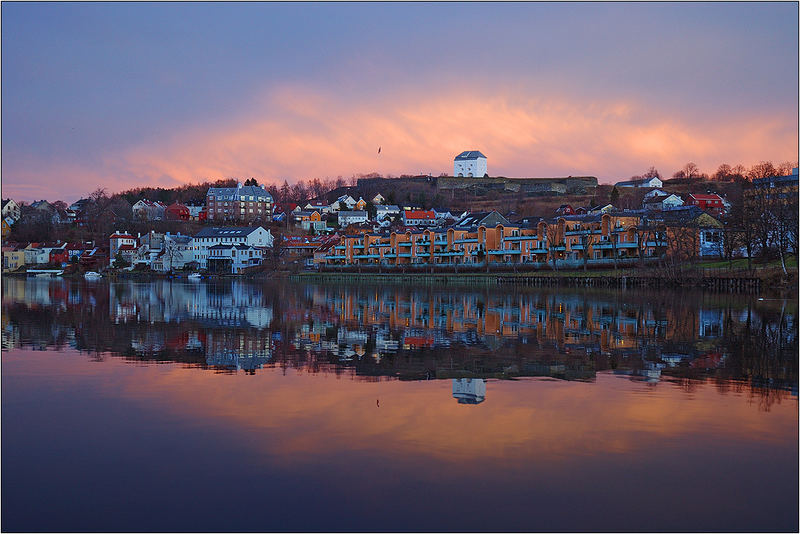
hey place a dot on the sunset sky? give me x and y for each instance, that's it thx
(121, 95)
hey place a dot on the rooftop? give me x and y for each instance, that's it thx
(469, 155)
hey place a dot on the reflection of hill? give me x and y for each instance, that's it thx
(409, 333)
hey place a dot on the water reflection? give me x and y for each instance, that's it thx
(469, 390)
(394, 409)
(416, 334)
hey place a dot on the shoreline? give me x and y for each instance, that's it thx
(755, 282)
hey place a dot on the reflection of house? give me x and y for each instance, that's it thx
(710, 323)
(469, 390)
(237, 349)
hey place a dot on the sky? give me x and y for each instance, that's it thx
(120, 95)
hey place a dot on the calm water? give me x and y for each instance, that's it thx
(238, 406)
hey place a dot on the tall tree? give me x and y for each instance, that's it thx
(763, 169)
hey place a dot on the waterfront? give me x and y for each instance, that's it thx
(231, 405)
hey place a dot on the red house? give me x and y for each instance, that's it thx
(59, 255)
(565, 209)
(712, 203)
(176, 212)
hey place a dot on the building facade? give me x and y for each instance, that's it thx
(470, 163)
(243, 203)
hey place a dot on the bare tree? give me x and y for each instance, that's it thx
(587, 240)
(552, 233)
(763, 169)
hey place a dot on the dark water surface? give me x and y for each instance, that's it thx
(240, 406)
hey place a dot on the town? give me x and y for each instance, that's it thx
(555, 224)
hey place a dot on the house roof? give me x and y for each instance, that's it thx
(680, 215)
(419, 214)
(469, 155)
(638, 181)
(118, 235)
(227, 231)
(705, 197)
(476, 219)
(254, 190)
(359, 213)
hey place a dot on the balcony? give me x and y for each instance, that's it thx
(465, 241)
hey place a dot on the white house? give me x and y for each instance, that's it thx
(233, 258)
(322, 208)
(149, 211)
(378, 199)
(642, 182)
(11, 209)
(348, 201)
(662, 202)
(347, 218)
(228, 235)
(177, 252)
(381, 212)
(470, 163)
(655, 192)
(121, 242)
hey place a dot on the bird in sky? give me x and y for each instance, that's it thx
(379, 150)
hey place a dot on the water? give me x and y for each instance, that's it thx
(237, 406)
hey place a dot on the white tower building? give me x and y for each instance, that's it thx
(470, 163)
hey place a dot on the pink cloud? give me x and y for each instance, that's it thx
(294, 133)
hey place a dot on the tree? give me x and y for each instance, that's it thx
(690, 170)
(763, 169)
(614, 196)
(552, 233)
(652, 172)
(785, 168)
(120, 262)
(372, 211)
(285, 192)
(723, 174)
(251, 181)
(587, 240)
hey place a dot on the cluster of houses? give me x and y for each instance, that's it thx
(566, 240)
(659, 200)
(224, 250)
(351, 231)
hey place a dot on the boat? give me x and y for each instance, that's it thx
(194, 276)
(91, 275)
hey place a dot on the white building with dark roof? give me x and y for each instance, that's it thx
(206, 238)
(470, 163)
